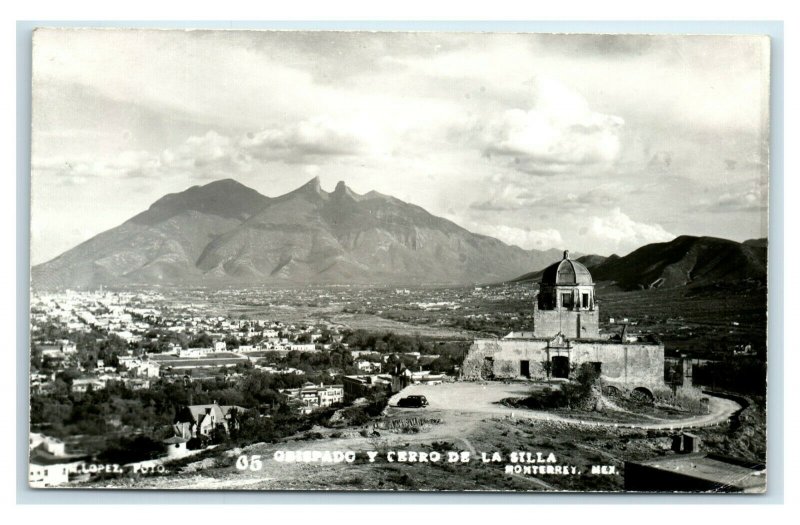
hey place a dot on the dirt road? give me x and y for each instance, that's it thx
(484, 398)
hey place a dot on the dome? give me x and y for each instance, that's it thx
(566, 272)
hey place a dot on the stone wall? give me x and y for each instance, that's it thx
(626, 366)
(577, 324)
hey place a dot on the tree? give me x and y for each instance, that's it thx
(69, 375)
(218, 434)
(201, 341)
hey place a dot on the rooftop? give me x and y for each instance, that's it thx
(566, 272)
(747, 476)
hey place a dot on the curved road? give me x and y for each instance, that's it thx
(484, 398)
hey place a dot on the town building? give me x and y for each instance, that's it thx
(566, 335)
(48, 463)
(47, 474)
(82, 385)
(200, 420)
(311, 396)
(194, 352)
(302, 347)
(49, 444)
(367, 366)
(359, 386)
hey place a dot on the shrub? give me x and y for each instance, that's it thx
(568, 395)
(130, 450)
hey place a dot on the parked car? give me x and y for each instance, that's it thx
(413, 402)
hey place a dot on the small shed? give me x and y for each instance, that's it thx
(176, 447)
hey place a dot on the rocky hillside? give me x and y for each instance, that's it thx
(687, 261)
(225, 232)
(684, 261)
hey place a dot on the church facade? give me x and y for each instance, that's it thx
(565, 335)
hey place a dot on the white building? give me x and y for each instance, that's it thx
(83, 384)
(47, 475)
(303, 347)
(368, 366)
(49, 444)
(194, 352)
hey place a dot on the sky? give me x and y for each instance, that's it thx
(592, 143)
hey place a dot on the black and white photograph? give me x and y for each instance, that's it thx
(398, 261)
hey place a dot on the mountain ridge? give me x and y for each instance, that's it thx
(226, 232)
(687, 260)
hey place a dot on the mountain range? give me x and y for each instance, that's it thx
(685, 261)
(226, 232)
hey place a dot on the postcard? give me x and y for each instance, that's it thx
(398, 261)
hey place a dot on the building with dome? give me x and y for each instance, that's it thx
(565, 335)
(565, 303)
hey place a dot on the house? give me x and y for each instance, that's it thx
(48, 464)
(82, 385)
(127, 336)
(68, 347)
(200, 420)
(312, 396)
(145, 369)
(52, 352)
(136, 383)
(39, 381)
(302, 347)
(368, 366)
(363, 385)
(137, 367)
(47, 475)
(49, 444)
(194, 352)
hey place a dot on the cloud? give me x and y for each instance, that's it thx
(749, 200)
(526, 238)
(503, 195)
(620, 232)
(200, 152)
(556, 135)
(308, 139)
(213, 155)
(512, 197)
(75, 170)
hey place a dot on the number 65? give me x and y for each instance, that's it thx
(253, 462)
